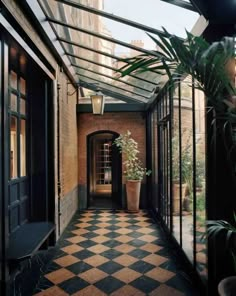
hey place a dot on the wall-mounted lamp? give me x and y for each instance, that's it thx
(98, 102)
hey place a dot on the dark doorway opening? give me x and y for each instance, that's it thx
(104, 171)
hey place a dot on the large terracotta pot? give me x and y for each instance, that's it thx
(133, 195)
(176, 197)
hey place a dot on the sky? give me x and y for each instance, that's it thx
(153, 13)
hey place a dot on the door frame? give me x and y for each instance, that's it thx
(119, 169)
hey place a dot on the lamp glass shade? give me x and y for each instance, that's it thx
(97, 103)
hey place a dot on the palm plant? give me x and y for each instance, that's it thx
(194, 56)
(205, 64)
(221, 227)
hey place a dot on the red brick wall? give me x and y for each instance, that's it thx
(116, 122)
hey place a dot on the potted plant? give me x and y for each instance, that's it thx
(224, 233)
(133, 169)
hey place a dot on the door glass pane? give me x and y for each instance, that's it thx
(22, 106)
(22, 86)
(13, 102)
(13, 79)
(22, 148)
(13, 145)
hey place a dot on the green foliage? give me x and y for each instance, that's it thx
(193, 56)
(133, 166)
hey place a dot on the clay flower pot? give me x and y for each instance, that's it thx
(133, 195)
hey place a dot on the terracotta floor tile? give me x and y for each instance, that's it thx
(145, 230)
(143, 224)
(124, 238)
(126, 275)
(155, 259)
(66, 260)
(53, 291)
(100, 239)
(72, 249)
(98, 249)
(164, 290)
(106, 214)
(123, 224)
(102, 231)
(104, 219)
(60, 275)
(93, 275)
(87, 219)
(122, 213)
(80, 231)
(83, 225)
(123, 218)
(125, 260)
(123, 231)
(103, 224)
(89, 291)
(96, 260)
(148, 238)
(151, 248)
(88, 214)
(76, 239)
(124, 248)
(160, 274)
(140, 218)
(128, 290)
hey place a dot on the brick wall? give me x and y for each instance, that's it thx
(68, 136)
(116, 122)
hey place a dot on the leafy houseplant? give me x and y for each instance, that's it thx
(134, 171)
(133, 166)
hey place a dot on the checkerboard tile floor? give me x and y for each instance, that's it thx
(112, 253)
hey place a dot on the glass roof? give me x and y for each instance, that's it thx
(96, 36)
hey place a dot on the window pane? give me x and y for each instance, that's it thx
(13, 152)
(22, 106)
(22, 148)
(13, 102)
(13, 79)
(22, 86)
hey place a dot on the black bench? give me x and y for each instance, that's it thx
(26, 241)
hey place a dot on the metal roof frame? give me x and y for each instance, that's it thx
(117, 87)
(112, 17)
(182, 4)
(105, 66)
(60, 43)
(110, 93)
(113, 78)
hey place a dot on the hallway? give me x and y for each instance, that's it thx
(113, 253)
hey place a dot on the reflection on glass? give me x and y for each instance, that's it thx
(22, 148)
(201, 247)
(154, 160)
(176, 193)
(22, 86)
(13, 79)
(187, 167)
(22, 106)
(13, 102)
(13, 150)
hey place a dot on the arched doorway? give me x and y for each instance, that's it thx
(104, 171)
